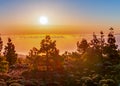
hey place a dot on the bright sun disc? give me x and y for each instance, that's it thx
(43, 20)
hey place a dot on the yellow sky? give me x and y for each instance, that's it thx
(20, 17)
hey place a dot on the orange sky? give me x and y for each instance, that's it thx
(64, 42)
(54, 29)
(77, 16)
(64, 17)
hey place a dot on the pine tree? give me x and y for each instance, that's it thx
(46, 58)
(111, 48)
(111, 39)
(95, 42)
(10, 53)
(82, 46)
(1, 44)
(102, 44)
(48, 47)
(102, 40)
(33, 59)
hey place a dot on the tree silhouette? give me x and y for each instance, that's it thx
(1, 44)
(111, 39)
(46, 58)
(10, 53)
(111, 48)
(48, 47)
(102, 41)
(95, 42)
(33, 59)
(82, 46)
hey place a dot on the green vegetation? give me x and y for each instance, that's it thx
(3, 65)
(46, 58)
(94, 63)
(10, 53)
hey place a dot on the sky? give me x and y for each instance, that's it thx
(64, 16)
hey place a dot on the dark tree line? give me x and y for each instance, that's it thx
(94, 63)
(97, 59)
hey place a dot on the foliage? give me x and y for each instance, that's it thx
(91, 58)
(33, 59)
(110, 50)
(45, 58)
(82, 46)
(3, 83)
(1, 45)
(48, 47)
(3, 65)
(98, 56)
(21, 60)
(15, 84)
(10, 53)
(94, 63)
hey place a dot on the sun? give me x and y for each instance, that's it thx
(43, 20)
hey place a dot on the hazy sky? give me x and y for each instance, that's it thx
(64, 15)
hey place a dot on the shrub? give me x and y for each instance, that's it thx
(15, 84)
(4, 76)
(96, 78)
(2, 83)
(11, 81)
(103, 81)
(111, 82)
(53, 84)
(31, 83)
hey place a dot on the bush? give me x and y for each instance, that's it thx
(2, 83)
(53, 84)
(4, 76)
(111, 82)
(11, 81)
(15, 84)
(31, 83)
(107, 82)
(87, 81)
(96, 78)
(103, 81)
(21, 81)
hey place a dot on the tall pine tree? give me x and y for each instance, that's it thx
(10, 53)
(48, 47)
(1, 44)
(111, 49)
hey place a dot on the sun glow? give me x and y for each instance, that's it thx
(43, 20)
